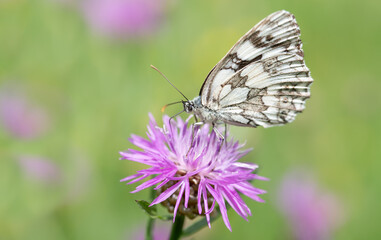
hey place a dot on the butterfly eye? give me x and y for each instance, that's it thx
(188, 107)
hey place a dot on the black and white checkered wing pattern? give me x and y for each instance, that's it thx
(263, 79)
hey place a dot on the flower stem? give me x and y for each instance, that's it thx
(149, 228)
(151, 221)
(177, 227)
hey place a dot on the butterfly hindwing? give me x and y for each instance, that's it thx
(263, 79)
(268, 92)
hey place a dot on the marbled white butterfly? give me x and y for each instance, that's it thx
(261, 81)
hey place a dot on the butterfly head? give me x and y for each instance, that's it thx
(188, 106)
(192, 105)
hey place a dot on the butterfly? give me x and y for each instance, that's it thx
(261, 81)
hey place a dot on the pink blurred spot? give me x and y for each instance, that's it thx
(40, 169)
(160, 232)
(123, 18)
(19, 116)
(312, 212)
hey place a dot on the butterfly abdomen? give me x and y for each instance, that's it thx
(207, 115)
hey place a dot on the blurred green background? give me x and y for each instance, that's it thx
(95, 89)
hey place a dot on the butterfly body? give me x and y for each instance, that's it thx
(202, 113)
(261, 81)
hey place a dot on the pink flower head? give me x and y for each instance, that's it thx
(192, 176)
(312, 212)
(123, 18)
(19, 117)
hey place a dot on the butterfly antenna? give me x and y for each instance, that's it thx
(170, 119)
(169, 82)
(169, 104)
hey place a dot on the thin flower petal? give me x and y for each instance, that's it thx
(207, 213)
(221, 203)
(166, 194)
(151, 182)
(201, 187)
(187, 190)
(178, 200)
(130, 177)
(138, 179)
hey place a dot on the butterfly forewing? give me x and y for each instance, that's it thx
(263, 79)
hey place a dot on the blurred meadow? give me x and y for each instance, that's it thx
(75, 83)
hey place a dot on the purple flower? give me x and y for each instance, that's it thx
(123, 18)
(192, 179)
(19, 117)
(312, 212)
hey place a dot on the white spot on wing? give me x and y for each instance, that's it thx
(239, 118)
(299, 104)
(257, 77)
(270, 100)
(221, 77)
(271, 113)
(246, 51)
(225, 90)
(237, 95)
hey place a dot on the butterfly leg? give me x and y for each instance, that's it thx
(226, 131)
(225, 137)
(197, 123)
(219, 134)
